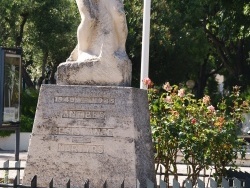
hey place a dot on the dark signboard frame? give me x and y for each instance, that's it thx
(6, 53)
(9, 124)
(1, 84)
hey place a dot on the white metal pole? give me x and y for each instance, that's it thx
(145, 42)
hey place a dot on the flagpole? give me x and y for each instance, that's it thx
(145, 43)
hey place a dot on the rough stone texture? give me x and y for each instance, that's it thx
(96, 133)
(100, 57)
(112, 72)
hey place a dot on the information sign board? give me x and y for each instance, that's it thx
(10, 85)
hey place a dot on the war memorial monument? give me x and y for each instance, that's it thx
(92, 124)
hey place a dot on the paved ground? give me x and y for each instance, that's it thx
(10, 155)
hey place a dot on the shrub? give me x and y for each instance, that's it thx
(28, 108)
(206, 135)
(29, 99)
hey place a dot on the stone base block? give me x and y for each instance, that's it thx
(113, 72)
(96, 133)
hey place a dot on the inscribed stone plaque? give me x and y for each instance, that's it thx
(96, 133)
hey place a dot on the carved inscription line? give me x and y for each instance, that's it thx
(79, 131)
(80, 148)
(81, 114)
(91, 122)
(84, 100)
(84, 139)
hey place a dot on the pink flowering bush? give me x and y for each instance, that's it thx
(204, 133)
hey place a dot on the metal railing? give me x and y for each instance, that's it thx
(236, 179)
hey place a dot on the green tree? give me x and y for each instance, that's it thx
(193, 40)
(189, 39)
(134, 21)
(210, 37)
(53, 36)
(44, 29)
(13, 18)
(46, 32)
(28, 109)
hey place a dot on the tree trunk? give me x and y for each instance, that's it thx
(52, 74)
(19, 39)
(202, 81)
(45, 58)
(26, 78)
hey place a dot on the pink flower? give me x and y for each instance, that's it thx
(193, 121)
(206, 99)
(168, 99)
(211, 108)
(147, 82)
(181, 92)
(167, 86)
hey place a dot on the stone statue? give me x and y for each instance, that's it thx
(99, 129)
(88, 10)
(100, 56)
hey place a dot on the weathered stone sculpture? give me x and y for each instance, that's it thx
(100, 57)
(85, 126)
(89, 19)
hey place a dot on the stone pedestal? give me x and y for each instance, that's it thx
(96, 133)
(112, 71)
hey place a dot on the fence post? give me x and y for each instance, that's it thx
(201, 184)
(51, 183)
(34, 182)
(137, 184)
(150, 184)
(18, 165)
(213, 183)
(105, 184)
(68, 184)
(237, 183)
(161, 172)
(189, 184)
(176, 184)
(6, 172)
(122, 185)
(163, 184)
(225, 183)
(247, 182)
(86, 184)
(15, 182)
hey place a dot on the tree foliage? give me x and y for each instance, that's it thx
(44, 29)
(196, 40)
(28, 109)
(189, 39)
